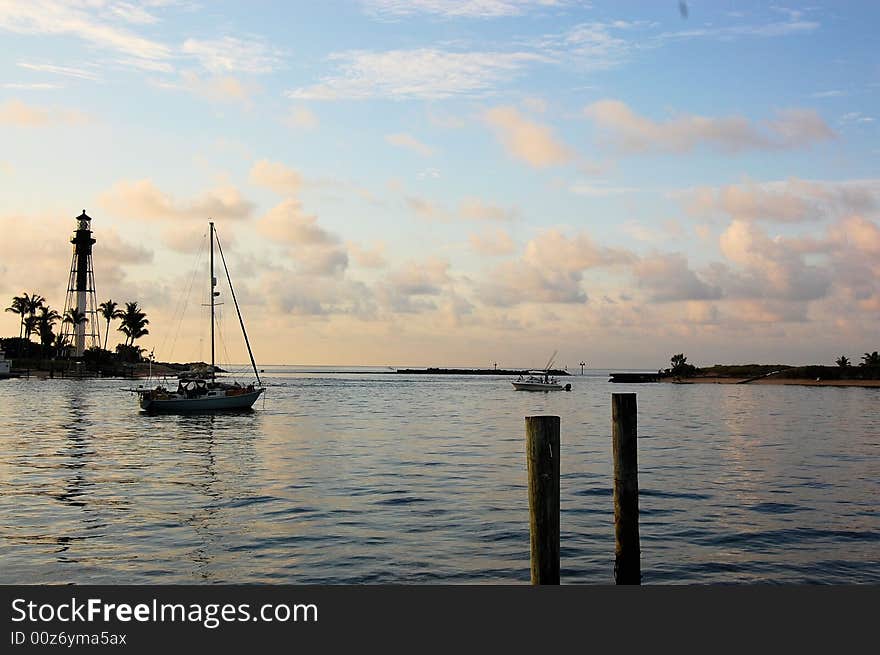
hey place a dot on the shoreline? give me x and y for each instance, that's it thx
(775, 381)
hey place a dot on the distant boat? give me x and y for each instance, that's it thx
(205, 393)
(537, 381)
(540, 380)
(5, 366)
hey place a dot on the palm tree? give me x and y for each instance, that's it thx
(31, 304)
(30, 326)
(109, 310)
(842, 361)
(45, 322)
(74, 317)
(19, 307)
(871, 360)
(134, 322)
(61, 342)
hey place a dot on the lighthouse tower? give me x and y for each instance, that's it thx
(81, 290)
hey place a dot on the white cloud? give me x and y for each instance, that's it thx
(67, 71)
(302, 118)
(37, 86)
(668, 278)
(365, 257)
(526, 140)
(287, 222)
(632, 133)
(234, 55)
(17, 113)
(424, 73)
(426, 209)
(551, 270)
(276, 176)
(493, 243)
(787, 201)
(475, 209)
(217, 88)
(403, 140)
(460, 8)
(84, 21)
(143, 200)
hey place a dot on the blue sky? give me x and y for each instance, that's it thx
(459, 181)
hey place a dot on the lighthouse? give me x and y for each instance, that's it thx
(83, 332)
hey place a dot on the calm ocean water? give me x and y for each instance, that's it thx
(372, 478)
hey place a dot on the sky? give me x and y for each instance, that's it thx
(454, 182)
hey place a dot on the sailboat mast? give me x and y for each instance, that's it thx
(213, 284)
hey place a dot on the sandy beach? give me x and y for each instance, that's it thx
(776, 381)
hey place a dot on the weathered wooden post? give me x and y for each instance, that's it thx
(624, 435)
(542, 457)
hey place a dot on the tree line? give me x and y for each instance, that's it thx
(36, 317)
(869, 367)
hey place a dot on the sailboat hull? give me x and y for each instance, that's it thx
(200, 404)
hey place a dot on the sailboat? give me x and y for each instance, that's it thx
(206, 393)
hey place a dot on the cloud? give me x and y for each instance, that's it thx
(368, 257)
(301, 118)
(233, 55)
(403, 140)
(599, 189)
(525, 140)
(410, 288)
(316, 250)
(788, 201)
(668, 278)
(492, 243)
(474, 209)
(16, 113)
(281, 179)
(425, 209)
(85, 21)
(552, 249)
(458, 8)
(857, 233)
(322, 261)
(286, 222)
(772, 268)
(793, 26)
(66, 71)
(216, 88)
(551, 270)
(512, 283)
(668, 229)
(632, 133)
(142, 199)
(591, 46)
(856, 117)
(290, 292)
(187, 237)
(425, 73)
(36, 86)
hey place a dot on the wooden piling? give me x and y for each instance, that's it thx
(624, 436)
(542, 457)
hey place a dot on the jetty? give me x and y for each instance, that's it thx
(472, 371)
(634, 377)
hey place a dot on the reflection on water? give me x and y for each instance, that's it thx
(387, 478)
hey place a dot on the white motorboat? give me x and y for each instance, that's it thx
(5, 366)
(207, 393)
(540, 380)
(536, 381)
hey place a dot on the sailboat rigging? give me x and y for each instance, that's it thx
(199, 394)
